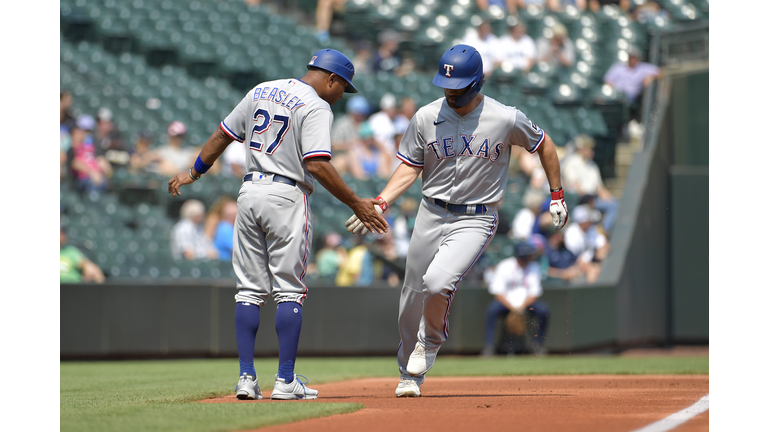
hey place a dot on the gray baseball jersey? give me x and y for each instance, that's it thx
(272, 119)
(466, 159)
(466, 163)
(273, 230)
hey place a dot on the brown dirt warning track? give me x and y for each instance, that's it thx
(577, 403)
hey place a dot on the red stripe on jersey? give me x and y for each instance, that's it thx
(224, 129)
(409, 163)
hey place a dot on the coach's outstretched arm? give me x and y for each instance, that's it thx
(364, 208)
(213, 148)
(551, 164)
(402, 179)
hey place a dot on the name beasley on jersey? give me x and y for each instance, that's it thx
(277, 96)
(443, 148)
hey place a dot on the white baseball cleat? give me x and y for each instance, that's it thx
(293, 390)
(248, 387)
(421, 360)
(407, 388)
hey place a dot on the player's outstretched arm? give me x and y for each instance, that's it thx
(551, 164)
(402, 179)
(213, 148)
(364, 208)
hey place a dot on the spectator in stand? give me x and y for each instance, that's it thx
(516, 47)
(560, 5)
(508, 6)
(532, 170)
(357, 269)
(485, 42)
(407, 66)
(582, 175)
(385, 251)
(323, 17)
(525, 219)
(214, 216)
(344, 132)
(383, 126)
(516, 288)
(174, 155)
(223, 238)
(64, 165)
(65, 145)
(562, 263)
(91, 171)
(66, 117)
(406, 112)
(557, 51)
(387, 57)
(74, 267)
(586, 242)
(233, 160)
(369, 158)
(631, 78)
(402, 226)
(363, 57)
(66, 123)
(330, 258)
(108, 141)
(144, 158)
(188, 241)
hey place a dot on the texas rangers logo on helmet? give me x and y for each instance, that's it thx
(448, 69)
(312, 60)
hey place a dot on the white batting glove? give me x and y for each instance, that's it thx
(558, 209)
(354, 225)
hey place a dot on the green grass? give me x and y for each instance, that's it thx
(160, 395)
(570, 365)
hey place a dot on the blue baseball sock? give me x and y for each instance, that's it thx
(288, 326)
(246, 326)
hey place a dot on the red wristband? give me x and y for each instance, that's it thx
(383, 205)
(558, 195)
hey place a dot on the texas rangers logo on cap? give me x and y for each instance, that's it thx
(312, 60)
(448, 69)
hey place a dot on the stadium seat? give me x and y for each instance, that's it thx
(565, 93)
(535, 84)
(505, 74)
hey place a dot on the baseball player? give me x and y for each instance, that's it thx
(286, 125)
(460, 144)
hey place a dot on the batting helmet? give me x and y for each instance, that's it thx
(335, 62)
(460, 67)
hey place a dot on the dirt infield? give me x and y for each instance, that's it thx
(542, 403)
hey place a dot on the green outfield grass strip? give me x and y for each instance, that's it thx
(162, 395)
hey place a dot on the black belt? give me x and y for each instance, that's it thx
(460, 208)
(275, 177)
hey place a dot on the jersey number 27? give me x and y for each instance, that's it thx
(263, 122)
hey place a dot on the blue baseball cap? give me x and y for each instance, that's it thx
(358, 105)
(524, 249)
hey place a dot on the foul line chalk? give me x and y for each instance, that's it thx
(678, 418)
